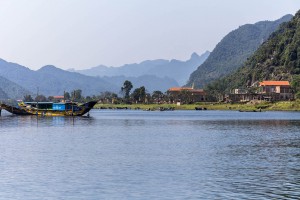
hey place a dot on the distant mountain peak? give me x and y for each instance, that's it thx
(49, 68)
(194, 56)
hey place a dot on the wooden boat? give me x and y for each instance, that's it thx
(14, 110)
(200, 108)
(250, 110)
(50, 108)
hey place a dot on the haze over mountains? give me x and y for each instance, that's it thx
(50, 80)
(233, 50)
(11, 90)
(171, 69)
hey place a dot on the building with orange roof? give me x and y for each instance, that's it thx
(276, 90)
(266, 90)
(187, 94)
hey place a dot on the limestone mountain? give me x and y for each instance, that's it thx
(233, 50)
(173, 69)
(278, 58)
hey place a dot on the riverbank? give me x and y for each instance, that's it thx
(262, 106)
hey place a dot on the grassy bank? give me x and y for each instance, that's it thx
(278, 106)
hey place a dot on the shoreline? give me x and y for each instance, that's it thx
(246, 107)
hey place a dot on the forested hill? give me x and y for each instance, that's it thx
(11, 90)
(233, 50)
(277, 59)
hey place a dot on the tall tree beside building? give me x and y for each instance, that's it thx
(127, 86)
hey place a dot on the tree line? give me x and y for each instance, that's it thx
(126, 95)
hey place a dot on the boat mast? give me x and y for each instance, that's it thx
(37, 100)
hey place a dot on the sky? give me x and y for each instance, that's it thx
(82, 34)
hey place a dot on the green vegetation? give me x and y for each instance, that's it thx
(296, 85)
(127, 86)
(276, 59)
(264, 106)
(233, 51)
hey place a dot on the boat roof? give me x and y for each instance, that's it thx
(34, 102)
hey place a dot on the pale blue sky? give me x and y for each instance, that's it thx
(86, 33)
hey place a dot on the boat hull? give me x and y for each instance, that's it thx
(79, 111)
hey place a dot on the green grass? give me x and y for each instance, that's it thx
(278, 106)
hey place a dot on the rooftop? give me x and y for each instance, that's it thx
(178, 89)
(274, 83)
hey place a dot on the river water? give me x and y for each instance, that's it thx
(127, 154)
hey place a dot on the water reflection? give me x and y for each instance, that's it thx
(153, 155)
(44, 121)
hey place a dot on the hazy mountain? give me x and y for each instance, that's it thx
(174, 69)
(233, 50)
(150, 82)
(11, 90)
(276, 59)
(56, 81)
(50, 80)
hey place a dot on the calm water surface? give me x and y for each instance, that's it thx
(151, 155)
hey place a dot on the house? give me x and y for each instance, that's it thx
(187, 94)
(241, 95)
(275, 90)
(58, 98)
(265, 90)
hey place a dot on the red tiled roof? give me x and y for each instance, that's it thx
(274, 83)
(58, 97)
(178, 89)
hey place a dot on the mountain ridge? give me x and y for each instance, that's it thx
(11, 90)
(278, 58)
(50, 81)
(175, 69)
(233, 50)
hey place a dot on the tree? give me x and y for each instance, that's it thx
(296, 85)
(28, 98)
(157, 96)
(186, 96)
(108, 97)
(51, 98)
(67, 96)
(40, 98)
(76, 95)
(127, 86)
(139, 94)
(88, 98)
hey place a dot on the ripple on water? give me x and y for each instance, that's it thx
(151, 155)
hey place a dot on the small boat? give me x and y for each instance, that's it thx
(200, 108)
(250, 110)
(50, 108)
